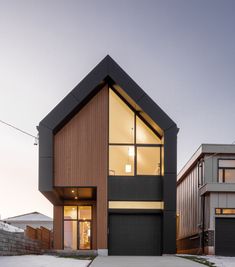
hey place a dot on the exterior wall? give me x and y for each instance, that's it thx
(81, 155)
(188, 205)
(58, 227)
(191, 194)
(17, 244)
(220, 200)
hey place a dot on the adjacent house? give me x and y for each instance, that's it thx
(107, 162)
(33, 219)
(206, 202)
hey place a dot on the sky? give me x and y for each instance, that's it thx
(181, 52)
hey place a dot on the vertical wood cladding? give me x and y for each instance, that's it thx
(58, 227)
(81, 155)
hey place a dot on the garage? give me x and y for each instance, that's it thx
(225, 236)
(135, 234)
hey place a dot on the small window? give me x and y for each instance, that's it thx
(148, 161)
(70, 212)
(217, 211)
(84, 212)
(226, 171)
(225, 211)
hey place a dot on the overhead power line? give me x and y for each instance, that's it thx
(18, 129)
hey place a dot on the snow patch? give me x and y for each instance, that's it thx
(220, 261)
(41, 261)
(10, 228)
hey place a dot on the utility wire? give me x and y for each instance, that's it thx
(18, 129)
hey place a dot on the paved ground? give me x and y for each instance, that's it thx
(139, 261)
(40, 261)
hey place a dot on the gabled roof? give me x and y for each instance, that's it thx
(32, 216)
(106, 71)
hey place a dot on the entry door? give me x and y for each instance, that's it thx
(84, 237)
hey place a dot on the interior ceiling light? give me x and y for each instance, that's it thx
(76, 197)
(72, 191)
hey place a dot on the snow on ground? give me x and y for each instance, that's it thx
(220, 261)
(41, 261)
(10, 228)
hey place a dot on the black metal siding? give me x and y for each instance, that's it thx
(141, 188)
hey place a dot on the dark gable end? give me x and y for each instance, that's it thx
(106, 71)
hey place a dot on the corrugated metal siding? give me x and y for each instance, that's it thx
(188, 206)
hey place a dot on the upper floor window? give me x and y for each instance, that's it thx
(135, 148)
(226, 170)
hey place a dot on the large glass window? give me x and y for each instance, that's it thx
(144, 135)
(226, 171)
(135, 148)
(148, 161)
(121, 160)
(121, 120)
(70, 235)
(77, 227)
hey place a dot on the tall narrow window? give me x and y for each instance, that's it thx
(121, 120)
(77, 227)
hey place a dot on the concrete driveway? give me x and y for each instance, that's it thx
(140, 261)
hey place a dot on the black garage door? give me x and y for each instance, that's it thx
(135, 234)
(225, 236)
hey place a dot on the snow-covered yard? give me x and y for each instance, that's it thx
(220, 261)
(41, 261)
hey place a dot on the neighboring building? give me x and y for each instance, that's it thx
(206, 202)
(107, 162)
(33, 219)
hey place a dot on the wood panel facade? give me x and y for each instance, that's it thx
(81, 155)
(58, 227)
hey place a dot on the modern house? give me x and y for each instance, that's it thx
(33, 219)
(107, 162)
(206, 202)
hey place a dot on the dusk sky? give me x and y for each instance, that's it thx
(182, 53)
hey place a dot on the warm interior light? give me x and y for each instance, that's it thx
(76, 197)
(72, 191)
(128, 168)
(131, 151)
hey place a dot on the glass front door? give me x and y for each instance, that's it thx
(77, 227)
(85, 235)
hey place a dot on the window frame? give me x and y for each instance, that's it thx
(223, 170)
(80, 220)
(135, 144)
